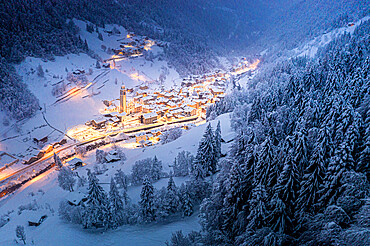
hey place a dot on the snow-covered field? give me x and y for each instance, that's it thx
(310, 49)
(42, 195)
(85, 105)
(45, 193)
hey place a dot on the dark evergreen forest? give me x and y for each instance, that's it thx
(197, 31)
(298, 172)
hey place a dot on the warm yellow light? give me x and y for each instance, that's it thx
(137, 77)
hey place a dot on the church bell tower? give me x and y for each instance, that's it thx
(122, 100)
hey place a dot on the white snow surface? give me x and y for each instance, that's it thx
(310, 49)
(44, 190)
(87, 104)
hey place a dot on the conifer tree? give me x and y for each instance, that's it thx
(172, 198)
(20, 233)
(96, 212)
(57, 161)
(100, 36)
(206, 159)
(116, 206)
(314, 174)
(198, 173)
(364, 159)
(300, 150)
(66, 179)
(238, 187)
(265, 162)
(258, 212)
(147, 200)
(279, 218)
(120, 179)
(287, 186)
(86, 46)
(156, 169)
(341, 162)
(218, 141)
(187, 205)
(40, 71)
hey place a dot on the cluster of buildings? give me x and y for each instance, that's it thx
(147, 106)
(142, 107)
(134, 46)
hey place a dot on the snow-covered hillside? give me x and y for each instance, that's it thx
(42, 195)
(85, 105)
(310, 49)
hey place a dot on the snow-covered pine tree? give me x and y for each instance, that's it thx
(279, 218)
(96, 210)
(100, 156)
(172, 198)
(121, 180)
(265, 162)
(198, 173)
(206, 158)
(238, 187)
(186, 204)
(258, 209)
(66, 179)
(20, 233)
(147, 201)
(40, 71)
(81, 181)
(288, 184)
(182, 165)
(341, 162)
(300, 150)
(347, 136)
(218, 141)
(116, 206)
(364, 159)
(57, 161)
(100, 36)
(314, 174)
(156, 169)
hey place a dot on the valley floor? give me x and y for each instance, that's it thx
(42, 196)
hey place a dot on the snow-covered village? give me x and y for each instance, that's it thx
(184, 123)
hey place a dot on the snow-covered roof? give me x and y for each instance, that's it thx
(150, 115)
(112, 158)
(188, 109)
(113, 152)
(99, 119)
(74, 161)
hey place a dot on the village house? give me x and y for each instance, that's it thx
(98, 123)
(150, 118)
(189, 111)
(140, 137)
(122, 116)
(141, 93)
(216, 90)
(156, 132)
(145, 109)
(168, 117)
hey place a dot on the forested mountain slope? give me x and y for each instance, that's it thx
(298, 172)
(196, 31)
